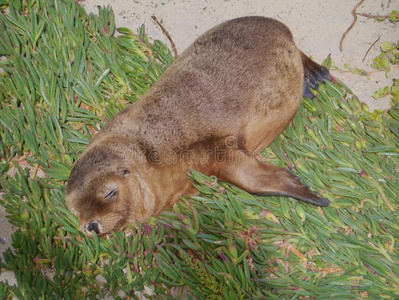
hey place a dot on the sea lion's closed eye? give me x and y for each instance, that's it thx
(110, 195)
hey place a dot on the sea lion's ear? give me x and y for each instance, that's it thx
(124, 172)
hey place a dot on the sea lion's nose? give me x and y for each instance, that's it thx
(92, 226)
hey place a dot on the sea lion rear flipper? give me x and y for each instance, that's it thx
(267, 180)
(313, 72)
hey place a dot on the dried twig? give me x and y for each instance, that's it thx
(370, 48)
(167, 35)
(350, 27)
(374, 16)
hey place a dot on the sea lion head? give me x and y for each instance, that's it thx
(101, 193)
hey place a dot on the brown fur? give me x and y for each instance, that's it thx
(231, 93)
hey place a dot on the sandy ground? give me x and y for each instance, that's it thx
(317, 26)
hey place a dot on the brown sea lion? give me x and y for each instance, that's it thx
(227, 97)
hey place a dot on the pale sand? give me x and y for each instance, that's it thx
(317, 26)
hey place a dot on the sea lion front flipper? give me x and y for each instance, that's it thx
(313, 72)
(257, 178)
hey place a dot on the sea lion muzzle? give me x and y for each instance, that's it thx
(93, 226)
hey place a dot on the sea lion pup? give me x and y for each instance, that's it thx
(227, 97)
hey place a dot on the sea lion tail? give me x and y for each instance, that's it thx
(313, 72)
(246, 172)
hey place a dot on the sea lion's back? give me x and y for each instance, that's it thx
(231, 74)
